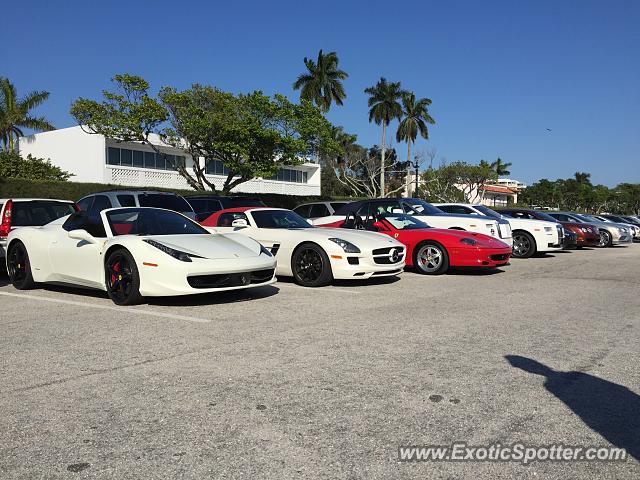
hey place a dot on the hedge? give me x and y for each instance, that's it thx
(16, 187)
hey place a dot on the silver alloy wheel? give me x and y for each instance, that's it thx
(430, 258)
(521, 245)
(605, 238)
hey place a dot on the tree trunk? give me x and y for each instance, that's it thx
(408, 182)
(384, 133)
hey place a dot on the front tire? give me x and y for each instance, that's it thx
(310, 266)
(122, 278)
(524, 245)
(606, 240)
(19, 267)
(431, 258)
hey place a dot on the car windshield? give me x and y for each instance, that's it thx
(420, 207)
(35, 213)
(168, 201)
(404, 222)
(587, 218)
(487, 211)
(279, 219)
(151, 221)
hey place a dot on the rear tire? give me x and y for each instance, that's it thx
(122, 278)
(310, 266)
(524, 245)
(19, 267)
(431, 258)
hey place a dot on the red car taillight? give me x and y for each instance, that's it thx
(5, 225)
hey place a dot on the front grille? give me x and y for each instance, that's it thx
(230, 279)
(499, 256)
(382, 251)
(388, 260)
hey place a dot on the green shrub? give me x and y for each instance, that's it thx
(12, 165)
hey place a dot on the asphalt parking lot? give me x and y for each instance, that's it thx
(285, 382)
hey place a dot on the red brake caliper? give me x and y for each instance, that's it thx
(116, 268)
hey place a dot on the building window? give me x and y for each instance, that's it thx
(137, 158)
(290, 175)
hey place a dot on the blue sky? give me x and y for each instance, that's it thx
(499, 72)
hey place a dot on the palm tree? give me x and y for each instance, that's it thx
(500, 167)
(322, 82)
(415, 116)
(383, 108)
(15, 113)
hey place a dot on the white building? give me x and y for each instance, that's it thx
(96, 159)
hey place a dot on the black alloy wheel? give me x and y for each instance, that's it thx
(524, 245)
(122, 279)
(19, 267)
(311, 267)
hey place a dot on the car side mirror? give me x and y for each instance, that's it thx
(80, 234)
(239, 223)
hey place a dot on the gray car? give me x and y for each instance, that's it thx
(96, 202)
(610, 233)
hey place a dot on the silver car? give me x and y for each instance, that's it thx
(610, 233)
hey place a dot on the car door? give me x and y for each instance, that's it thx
(78, 261)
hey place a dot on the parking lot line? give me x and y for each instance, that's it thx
(107, 307)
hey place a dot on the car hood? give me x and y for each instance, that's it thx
(360, 238)
(213, 246)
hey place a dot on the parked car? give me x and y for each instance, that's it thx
(29, 212)
(633, 228)
(610, 233)
(205, 205)
(313, 256)
(504, 227)
(530, 236)
(315, 210)
(136, 252)
(586, 235)
(424, 211)
(434, 250)
(95, 203)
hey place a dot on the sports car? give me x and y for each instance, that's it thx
(136, 252)
(433, 251)
(313, 256)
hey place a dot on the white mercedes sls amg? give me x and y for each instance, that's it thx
(136, 252)
(313, 256)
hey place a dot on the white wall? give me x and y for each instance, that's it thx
(71, 149)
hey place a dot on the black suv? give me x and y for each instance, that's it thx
(206, 205)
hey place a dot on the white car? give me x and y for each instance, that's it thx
(136, 252)
(319, 209)
(313, 256)
(529, 236)
(422, 210)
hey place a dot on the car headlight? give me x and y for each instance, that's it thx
(348, 247)
(177, 254)
(265, 251)
(468, 241)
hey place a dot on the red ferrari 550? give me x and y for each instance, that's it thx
(433, 251)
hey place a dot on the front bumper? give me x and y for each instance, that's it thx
(588, 240)
(354, 266)
(479, 257)
(622, 240)
(174, 277)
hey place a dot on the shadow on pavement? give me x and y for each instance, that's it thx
(610, 409)
(218, 298)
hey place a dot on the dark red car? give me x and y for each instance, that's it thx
(434, 250)
(587, 235)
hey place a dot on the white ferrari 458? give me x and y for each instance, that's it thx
(313, 256)
(136, 252)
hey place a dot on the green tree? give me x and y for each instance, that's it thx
(414, 120)
(384, 106)
(252, 135)
(15, 113)
(12, 165)
(457, 181)
(321, 84)
(501, 168)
